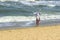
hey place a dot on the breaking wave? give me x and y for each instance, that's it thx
(29, 18)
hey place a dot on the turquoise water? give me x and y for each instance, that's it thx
(21, 14)
(19, 9)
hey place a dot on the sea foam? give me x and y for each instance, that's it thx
(29, 18)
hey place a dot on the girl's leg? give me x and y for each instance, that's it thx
(37, 22)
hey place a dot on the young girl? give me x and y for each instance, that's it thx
(37, 14)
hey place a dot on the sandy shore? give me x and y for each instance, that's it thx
(34, 33)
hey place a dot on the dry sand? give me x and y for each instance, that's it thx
(35, 33)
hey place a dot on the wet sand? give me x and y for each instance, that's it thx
(34, 33)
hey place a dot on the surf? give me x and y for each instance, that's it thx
(29, 18)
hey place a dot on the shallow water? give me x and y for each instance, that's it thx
(21, 13)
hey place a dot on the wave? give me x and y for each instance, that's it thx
(30, 5)
(28, 0)
(29, 18)
(8, 0)
(41, 2)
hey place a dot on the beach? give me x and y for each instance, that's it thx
(34, 33)
(18, 22)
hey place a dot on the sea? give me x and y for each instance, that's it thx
(21, 13)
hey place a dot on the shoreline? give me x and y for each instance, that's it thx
(35, 33)
(13, 28)
(27, 24)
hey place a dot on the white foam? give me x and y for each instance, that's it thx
(16, 0)
(30, 18)
(48, 3)
(31, 3)
(8, 0)
(29, 23)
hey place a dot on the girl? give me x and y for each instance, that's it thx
(37, 18)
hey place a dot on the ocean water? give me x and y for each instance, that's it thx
(21, 13)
